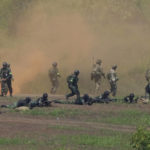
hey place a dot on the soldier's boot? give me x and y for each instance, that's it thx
(11, 95)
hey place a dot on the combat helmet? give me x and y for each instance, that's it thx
(4, 64)
(131, 95)
(28, 99)
(98, 61)
(54, 64)
(45, 95)
(76, 72)
(114, 67)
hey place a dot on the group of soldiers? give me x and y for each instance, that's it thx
(96, 75)
(72, 80)
(28, 102)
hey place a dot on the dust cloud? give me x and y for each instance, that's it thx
(75, 38)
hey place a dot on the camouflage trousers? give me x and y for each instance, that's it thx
(74, 91)
(113, 88)
(5, 86)
(97, 86)
(55, 85)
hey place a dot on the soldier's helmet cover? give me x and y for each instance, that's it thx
(131, 95)
(4, 64)
(114, 67)
(76, 72)
(98, 61)
(54, 64)
(107, 92)
(28, 99)
(45, 95)
(85, 96)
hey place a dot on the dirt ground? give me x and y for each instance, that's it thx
(17, 124)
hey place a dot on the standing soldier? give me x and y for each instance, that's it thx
(6, 77)
(72, 81)
(147, 88)
(53, 75)
(113, 78)
(97, 75)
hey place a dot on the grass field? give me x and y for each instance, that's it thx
(72, 127)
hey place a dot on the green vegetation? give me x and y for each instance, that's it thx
(16, 141)
(141, 139)
(128, 117)
(106, 139)
(58, 112)
(93, 141)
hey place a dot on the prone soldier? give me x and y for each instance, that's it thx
(130, 98)
(19, 103)
(40, 102)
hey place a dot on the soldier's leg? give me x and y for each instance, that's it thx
(97, 86)
(70, 94)
(56, 84)
(147, 93)
(53, 86)
(9, 84)
(76, 91)
(3, 88)
(114, 89)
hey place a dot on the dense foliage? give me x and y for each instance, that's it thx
(141, 139)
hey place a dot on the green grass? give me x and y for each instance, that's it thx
(101, 139)
(17, 141)
(95, 141)
(58, 112)
(124, 117)
(69, 128)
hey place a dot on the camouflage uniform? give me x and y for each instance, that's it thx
(6, 88)
(85, 100)
(6, 77)
(53, 75)
(97, 75)
(104, 98)
(21, 102)
(40, 102)
(112, 77)
(73, 85)
(147, 88)
(130, 98)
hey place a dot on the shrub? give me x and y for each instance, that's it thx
(141, 139)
